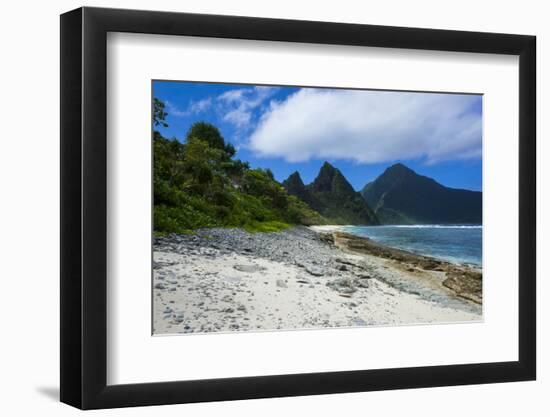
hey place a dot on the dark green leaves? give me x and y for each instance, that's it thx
(199, 184)
(159, 114)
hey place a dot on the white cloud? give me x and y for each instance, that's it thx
(369, 126)
(232, 96)
(201, 105)
(172, 110)
(240, 118)
(237, 105)
(195, 107)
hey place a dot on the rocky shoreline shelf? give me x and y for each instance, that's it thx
(464, 280)
(218, 280)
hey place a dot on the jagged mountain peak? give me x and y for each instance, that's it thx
(330, 179)
(399, 168)
(333, 196)
(327, 167)
(295, 178)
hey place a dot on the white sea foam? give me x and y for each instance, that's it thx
(328, 228)
(331, 228)
(437, 226)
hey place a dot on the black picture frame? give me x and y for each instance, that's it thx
(84, 207)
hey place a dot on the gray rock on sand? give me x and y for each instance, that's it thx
(281, 283)
(342, 285)
(361, 283)
(159, 265)
(177, 317)
(248, 268)
(315, 271)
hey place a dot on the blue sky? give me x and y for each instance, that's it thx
(361, 132)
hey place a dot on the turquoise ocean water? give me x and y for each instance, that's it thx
(454, 243)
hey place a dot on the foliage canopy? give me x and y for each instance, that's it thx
(199, 184)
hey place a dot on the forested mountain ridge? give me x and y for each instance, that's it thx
(401, 196)
(332, 196)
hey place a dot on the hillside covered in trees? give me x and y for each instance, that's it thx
(199, 184)
(401, 196)
(333, 196)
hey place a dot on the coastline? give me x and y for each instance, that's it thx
(218, 280)
(465, 280)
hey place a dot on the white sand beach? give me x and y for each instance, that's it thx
(228, 280)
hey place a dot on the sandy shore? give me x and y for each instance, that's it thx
(221, 280)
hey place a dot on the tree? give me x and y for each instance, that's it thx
(159, 114)
(168, 174)
(211, 135)
(257, 182)
(269, 173)
(229, 150)
(202, 167)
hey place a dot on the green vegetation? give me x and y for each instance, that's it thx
(199, 184)
(332, 196)
(159, 115)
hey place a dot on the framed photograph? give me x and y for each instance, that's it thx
(257, 208)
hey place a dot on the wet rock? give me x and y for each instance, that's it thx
(466, 284)
(429, 264)
(326, 238)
